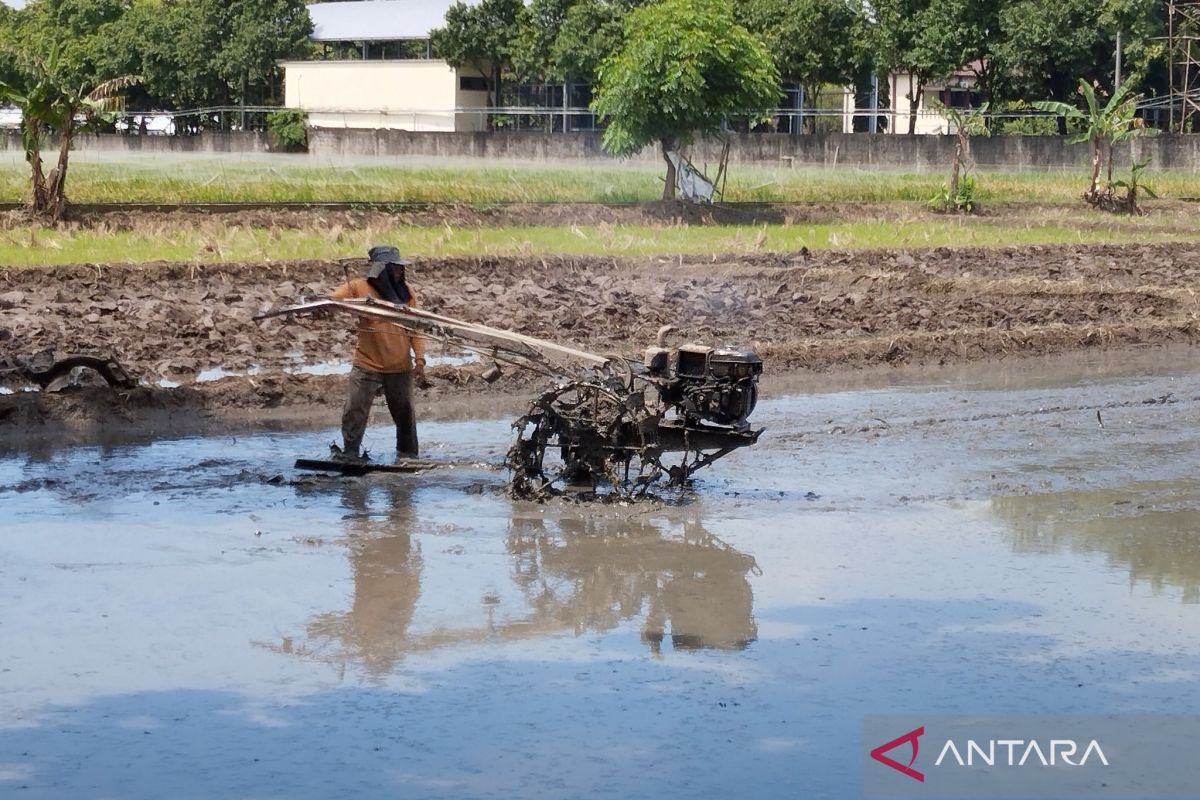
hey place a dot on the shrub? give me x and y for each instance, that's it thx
(288, 129)
(963, 200)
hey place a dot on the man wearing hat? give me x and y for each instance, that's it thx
(387, 359)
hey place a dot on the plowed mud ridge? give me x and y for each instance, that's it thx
(801, 311)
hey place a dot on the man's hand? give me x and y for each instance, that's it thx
(419, 374)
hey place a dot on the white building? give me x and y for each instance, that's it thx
(378, 72)
(957, 91)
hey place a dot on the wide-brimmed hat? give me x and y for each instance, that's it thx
(386, 254)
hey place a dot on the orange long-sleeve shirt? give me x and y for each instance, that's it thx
(382, 346)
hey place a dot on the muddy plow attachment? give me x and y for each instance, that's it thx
(49, 374)
(610, 426)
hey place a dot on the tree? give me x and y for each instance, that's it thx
(815, 42)
(565, 41)
(78, 30)
(173, 47)
(538, 26)
(49, 102)
(959, 194)
(257, 34)
(1103, 126)
(190, 53)
(480, 36)
(966, 34)
(592, 30)
(1046, 48)
(8, 50)
(685, 67)
(908, 39)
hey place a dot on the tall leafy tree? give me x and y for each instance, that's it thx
(966, 33)
(1047, 47)
(684, 68)
(8, 47)
(480, 36)
(78, 31)
(907, 39)
(566, 40)
(191, 53)
(257, 34)
(591, 32)
(538, 25)
(173, 47)
(814, 42)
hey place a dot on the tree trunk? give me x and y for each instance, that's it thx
(914, 101)
(33, 154)
(56, 190)
(495, 81)
(669, 186)
(955, 169)
(813, 100)
(1093, 192)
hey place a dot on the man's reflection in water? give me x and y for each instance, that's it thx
(708, 607)
(594, 572)
(578, 569)
(387, 578)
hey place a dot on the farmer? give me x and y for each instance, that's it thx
(386, 359)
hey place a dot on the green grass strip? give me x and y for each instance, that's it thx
(202, 180)
(214, 242)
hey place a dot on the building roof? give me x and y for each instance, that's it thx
(377, 20)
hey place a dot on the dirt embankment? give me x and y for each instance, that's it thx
(1170, 216)
(353, 216)
(812, 311)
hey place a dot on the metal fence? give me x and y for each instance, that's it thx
(580, 119)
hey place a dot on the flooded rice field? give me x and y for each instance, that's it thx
(192, 618)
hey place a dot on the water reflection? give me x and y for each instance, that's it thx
(590, 572)
(1154, 533)
(387, 581)
(572, 569)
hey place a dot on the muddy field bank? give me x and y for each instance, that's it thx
(801, 311)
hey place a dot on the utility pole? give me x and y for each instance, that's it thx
(873, 120)
(1117, 79)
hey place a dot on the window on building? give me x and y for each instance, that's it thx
(472, 83)
(962, 98)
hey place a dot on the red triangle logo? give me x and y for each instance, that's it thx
(911, 738)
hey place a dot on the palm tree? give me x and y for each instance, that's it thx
(49, 104)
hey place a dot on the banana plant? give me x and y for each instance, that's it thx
(1103, 126)
(48, 104)
(967, 123)
(1134, 186)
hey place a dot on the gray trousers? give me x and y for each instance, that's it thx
(397, 388)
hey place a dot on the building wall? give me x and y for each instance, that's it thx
(417, 95)
(928, 121)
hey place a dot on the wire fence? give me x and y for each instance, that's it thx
(580, 119)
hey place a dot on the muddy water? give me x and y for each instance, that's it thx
(192, 619)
